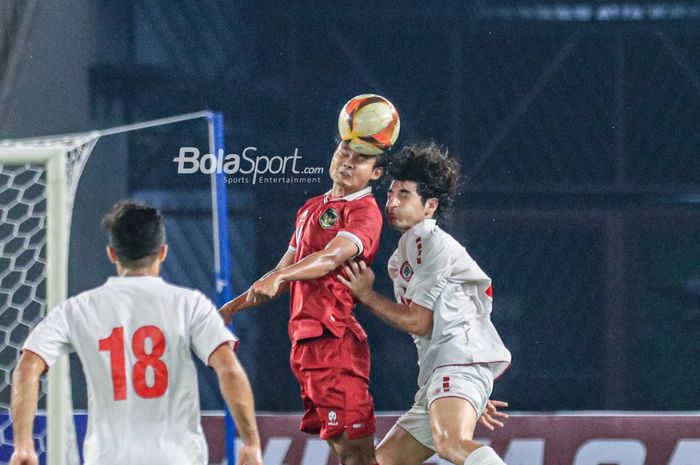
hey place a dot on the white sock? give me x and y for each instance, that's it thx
(484, 456)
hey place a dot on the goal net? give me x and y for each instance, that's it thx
(38, 183)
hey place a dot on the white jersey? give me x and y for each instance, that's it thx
(432, 269)
(134, 337)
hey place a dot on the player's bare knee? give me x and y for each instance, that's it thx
(443, 446)
(453, 448)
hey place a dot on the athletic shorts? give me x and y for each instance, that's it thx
(333, 374)
(473, 383)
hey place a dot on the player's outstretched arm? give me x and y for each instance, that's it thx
(243, 301)
(25, 396)
(235, 388)
(313, 266)
(412, 318)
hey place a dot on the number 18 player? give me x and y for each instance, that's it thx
(444, 301)
(133, 336)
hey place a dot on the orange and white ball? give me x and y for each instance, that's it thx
(369, 123)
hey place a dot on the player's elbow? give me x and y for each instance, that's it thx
(231, 372)
(422, 324)
(329, 261)
(29, 369)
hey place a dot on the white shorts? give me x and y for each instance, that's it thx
(472, 383)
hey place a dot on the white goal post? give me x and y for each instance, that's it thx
(50, 207)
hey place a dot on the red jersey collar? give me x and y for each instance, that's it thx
(354, 196)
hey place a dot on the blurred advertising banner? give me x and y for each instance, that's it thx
(591, 438)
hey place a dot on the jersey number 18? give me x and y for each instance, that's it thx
(114, 344)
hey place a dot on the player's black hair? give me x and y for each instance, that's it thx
(435, 172)
(136, 232)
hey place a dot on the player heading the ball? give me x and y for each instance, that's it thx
(330, 354)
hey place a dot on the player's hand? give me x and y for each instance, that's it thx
(264, 289)
(249, 455)
(490, 415)
(24, 458)
(359, 278)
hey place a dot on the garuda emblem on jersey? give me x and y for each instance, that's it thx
(406, 271)
(329, 218)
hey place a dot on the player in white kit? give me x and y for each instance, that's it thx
(133, 336)
(444, 301)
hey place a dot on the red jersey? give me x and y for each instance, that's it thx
(326, 302)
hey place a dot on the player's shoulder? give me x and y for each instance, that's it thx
(152, 285)
(84, 297)
(428, 238)
(371, 201)
(312, 201)
(183, 291)
(366, 202)
(425, 232)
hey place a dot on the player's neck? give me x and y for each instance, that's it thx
(339, 191)
(153, 270)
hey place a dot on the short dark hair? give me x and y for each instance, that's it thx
(435, 172)
(136, 233)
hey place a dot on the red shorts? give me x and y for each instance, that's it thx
(334, 377)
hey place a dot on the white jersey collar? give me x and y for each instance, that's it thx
(122, 279)
(428, 223)
(350, 197)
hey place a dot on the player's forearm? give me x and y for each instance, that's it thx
(242, 303)
(400, 316)
(25, 395)
(237, 392)
(314, 266)
(238, 304)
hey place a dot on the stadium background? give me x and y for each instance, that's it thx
(575, 122)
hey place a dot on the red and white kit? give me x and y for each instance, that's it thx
(330, 356)
(464, 353)
(134, 337)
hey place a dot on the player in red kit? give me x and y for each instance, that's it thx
(330, 356)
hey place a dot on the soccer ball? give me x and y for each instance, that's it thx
(369, 123)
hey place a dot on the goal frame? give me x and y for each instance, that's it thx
(51, 152)
(58, 406)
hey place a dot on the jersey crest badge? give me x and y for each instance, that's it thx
(329, 218)
(406, 271)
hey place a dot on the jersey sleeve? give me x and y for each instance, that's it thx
(363, 225)
(431, 264)
(207, 330)
(50, 339)
(292, 247)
